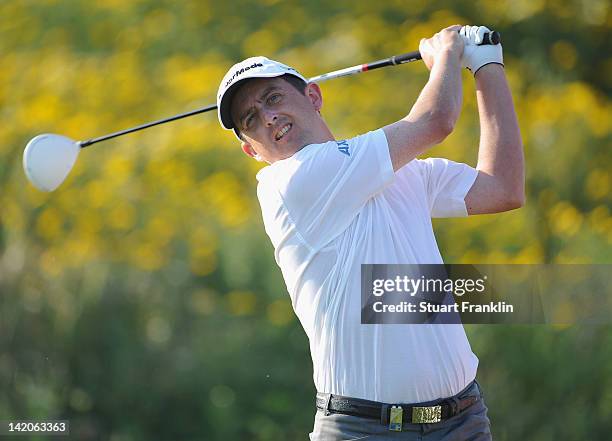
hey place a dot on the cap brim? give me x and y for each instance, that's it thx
(225, 106)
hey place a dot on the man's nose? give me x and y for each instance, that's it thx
(270, 117)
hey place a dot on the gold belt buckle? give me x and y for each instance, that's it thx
(426, 415)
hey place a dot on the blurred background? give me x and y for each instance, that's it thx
(141, 300)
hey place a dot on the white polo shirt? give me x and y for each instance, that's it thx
(333, 206)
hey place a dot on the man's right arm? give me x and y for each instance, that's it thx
(433, 116)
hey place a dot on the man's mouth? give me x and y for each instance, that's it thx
(283, 131)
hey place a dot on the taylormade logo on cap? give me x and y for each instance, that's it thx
(254, 67)
(244, 69)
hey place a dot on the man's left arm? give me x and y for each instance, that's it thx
(500, 184)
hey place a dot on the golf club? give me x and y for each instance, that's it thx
(48, 158)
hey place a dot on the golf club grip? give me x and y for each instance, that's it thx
(492, 38)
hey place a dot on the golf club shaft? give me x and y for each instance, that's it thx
(490, 38)
(89, 142)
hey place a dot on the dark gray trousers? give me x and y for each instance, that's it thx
(471, 425)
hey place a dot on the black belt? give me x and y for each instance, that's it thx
(394, 414)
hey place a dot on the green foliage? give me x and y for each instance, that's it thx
(141, 299)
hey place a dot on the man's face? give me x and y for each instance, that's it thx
(274, 118)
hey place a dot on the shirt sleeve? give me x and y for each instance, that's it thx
(446, 183)
(324, 189)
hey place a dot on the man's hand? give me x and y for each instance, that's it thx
(444, 43)
(476, 55)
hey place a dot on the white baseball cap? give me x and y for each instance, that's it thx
(254, 67)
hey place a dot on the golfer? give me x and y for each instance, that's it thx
(330, 205)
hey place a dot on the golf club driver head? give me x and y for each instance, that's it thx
(48, 159)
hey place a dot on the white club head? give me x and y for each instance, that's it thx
(48, 159)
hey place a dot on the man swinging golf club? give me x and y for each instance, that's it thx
(330, 205)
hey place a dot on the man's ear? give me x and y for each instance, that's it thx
(313, 92)
(248, 149)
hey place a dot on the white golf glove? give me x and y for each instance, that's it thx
(475, 55)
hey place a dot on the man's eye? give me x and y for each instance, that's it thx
(274, 98)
